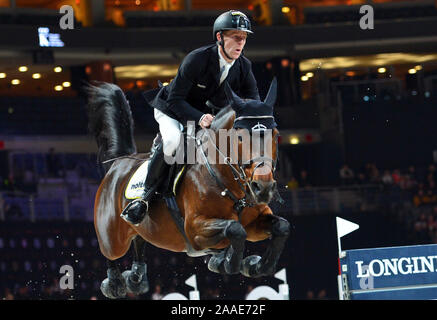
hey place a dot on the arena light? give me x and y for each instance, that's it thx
(294, 140)
(374, 60)
(22, 69)
(310, 74)
(36, 76)
(146, 71)
(57, 69)
(15, 82)
(304, 78)
(59, 88)
(418, 67)
(285, 9)
(382, 70)
(2, 75)
(140, 83)
(66, 84)
(412, 71)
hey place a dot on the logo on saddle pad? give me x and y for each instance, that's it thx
(135, 187)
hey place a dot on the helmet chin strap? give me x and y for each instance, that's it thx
(222, 44)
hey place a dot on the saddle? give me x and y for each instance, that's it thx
(169, 182)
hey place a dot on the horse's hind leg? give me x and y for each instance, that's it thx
(279, 229)
(136, 278)
(113, 286)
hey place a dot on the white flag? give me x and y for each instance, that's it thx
(345, 227)
(192, 282)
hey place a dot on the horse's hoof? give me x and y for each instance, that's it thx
(216, 263)
(136, 279)
(249, 266)
(113, 288)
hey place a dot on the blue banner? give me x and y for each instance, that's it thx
(393, 269)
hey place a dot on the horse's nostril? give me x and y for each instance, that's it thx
(256, 187)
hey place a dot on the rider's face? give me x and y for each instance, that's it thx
(234, 42)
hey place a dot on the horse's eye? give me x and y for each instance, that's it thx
(247, 165)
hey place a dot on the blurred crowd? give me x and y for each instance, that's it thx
(414, 189)
(412, 178)
(27, 170)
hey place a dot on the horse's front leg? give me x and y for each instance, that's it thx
(209, 233)
(265, 225)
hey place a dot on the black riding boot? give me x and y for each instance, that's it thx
(136, 210)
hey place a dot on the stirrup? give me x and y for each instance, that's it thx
(125, 216)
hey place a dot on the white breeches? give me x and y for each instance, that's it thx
(171, 132)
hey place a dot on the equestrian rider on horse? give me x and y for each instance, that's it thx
(194, 94)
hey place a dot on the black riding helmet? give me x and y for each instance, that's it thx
(231, 20)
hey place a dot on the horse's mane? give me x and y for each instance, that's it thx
(224, 119)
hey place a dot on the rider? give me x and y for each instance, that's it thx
(194, 94)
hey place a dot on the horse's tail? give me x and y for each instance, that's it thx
(110, 121)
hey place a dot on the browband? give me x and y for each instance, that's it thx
(253, 117)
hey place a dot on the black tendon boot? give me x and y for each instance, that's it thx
(136, 210)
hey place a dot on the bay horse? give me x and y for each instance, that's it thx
(220, 207)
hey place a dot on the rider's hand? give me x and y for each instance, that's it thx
(206, 120)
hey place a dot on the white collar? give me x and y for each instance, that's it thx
(223, 62)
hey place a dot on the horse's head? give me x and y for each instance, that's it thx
(257, 138)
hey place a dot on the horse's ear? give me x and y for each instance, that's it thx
(235, 101)
(271, 95)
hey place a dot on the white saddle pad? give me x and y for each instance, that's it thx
(135, 187)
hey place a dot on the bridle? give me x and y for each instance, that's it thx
(239, 175)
